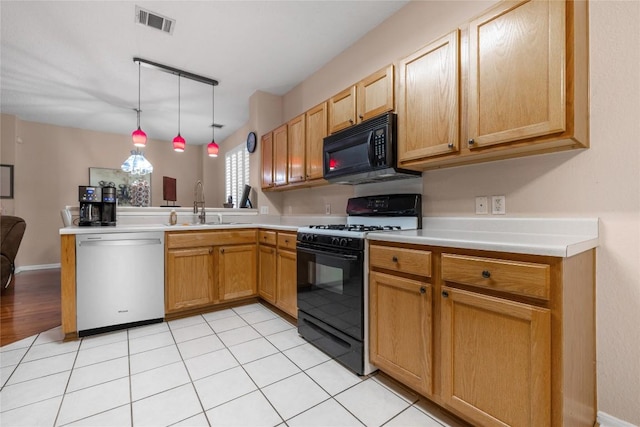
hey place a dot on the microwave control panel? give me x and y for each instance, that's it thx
(379, 147)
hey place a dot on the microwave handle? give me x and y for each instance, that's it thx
(370, 148)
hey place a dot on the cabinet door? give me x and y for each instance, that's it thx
(375, 94)
(287, 286)
(189, 281)
(517, 64)
(400, 329)
(428, 102)
(316, 131)
(237, 271)
(267, 160)
(495, 359)
(280, 155)
(267, 273)
(296, 149)
(342, 110)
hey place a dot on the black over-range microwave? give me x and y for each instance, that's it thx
(364, 153)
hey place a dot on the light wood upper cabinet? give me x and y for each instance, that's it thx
(342, 110)
(428, 100)
(296, 149)
(189, 278)
(374, 94)
(237, 271)
(267, 160)
(368, 98)
(400, 329)
(496, 359)
(316, 125)
(280, 158)
(517, 72)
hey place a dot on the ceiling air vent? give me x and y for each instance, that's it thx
(154, 20)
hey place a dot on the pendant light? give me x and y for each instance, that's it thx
(138, 136)
(178, 142)
(213, 148)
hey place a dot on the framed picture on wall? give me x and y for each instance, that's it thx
(6, 181)
(132, 190)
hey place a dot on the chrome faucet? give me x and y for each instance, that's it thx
(199, 202)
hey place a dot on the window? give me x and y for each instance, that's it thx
(236, 174)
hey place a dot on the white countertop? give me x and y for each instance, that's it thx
(560, 237)
(131, 228)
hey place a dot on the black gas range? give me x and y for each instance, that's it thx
(332, 283)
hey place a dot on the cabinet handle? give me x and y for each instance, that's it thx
(450, 145)
(471, 141)
(351, 121)
(486, 274)
(221, 251)
(361, 116)
(286, 241)
(423, 290)
(210, 250)
(394, 259)
(445, 294)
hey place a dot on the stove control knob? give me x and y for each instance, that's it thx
(343, 242)
(335, 241)
(305, 237)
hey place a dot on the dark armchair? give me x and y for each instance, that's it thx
(11, 235)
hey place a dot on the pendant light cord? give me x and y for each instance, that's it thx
(138, 111)
(213, 113)
(178, 104)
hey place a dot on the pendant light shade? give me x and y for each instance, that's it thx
(213, 148)
(136, 164)
(179, 142)
(138, 136)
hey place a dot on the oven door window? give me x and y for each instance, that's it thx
(330, 288)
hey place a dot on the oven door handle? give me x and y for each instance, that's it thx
(329, 254)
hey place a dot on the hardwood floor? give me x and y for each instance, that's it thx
(30, 306)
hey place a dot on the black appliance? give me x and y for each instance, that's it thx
(97, 206)
(331, 279)
(364, 153)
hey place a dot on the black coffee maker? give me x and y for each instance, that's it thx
(97, 206)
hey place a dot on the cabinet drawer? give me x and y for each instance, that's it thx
(267, 237)
(522, 278)
(287, 241)
(209, 238)
(412, 261)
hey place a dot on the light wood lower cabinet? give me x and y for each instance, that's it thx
(496, 359)
(287, 288)
(278, 282)
(267, 273)
(498, 339)
(209, 267)
(189, 278)
(400, 329)
(237, 271)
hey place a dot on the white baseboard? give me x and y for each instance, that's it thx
(36, 267)
(607, 420)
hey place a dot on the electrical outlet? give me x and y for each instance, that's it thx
(264, 210)
(482, 207)
(498, 205)
(327, 209)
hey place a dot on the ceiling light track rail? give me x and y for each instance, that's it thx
(176, 71)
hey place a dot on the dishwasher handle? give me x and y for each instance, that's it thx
(122, 242)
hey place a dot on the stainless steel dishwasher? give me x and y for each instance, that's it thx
(119, 280)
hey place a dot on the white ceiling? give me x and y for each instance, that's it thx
(70, 63)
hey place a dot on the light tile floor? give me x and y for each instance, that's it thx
(244, 366)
